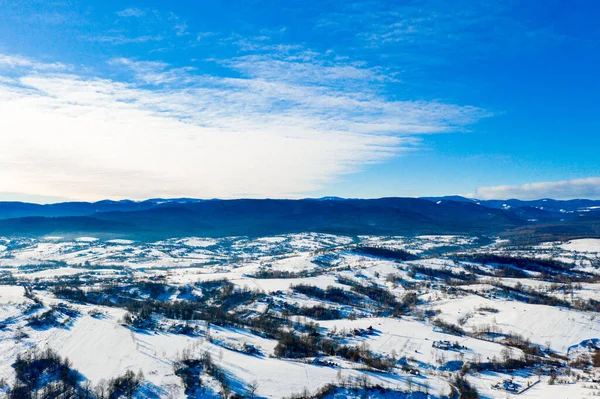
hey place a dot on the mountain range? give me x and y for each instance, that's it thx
(163, 218)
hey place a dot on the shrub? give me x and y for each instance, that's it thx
(465, 389)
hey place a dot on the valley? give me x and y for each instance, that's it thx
(302, 315)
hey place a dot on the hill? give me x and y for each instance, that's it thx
(161, 218)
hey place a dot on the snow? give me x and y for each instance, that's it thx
(583, 245)
(199, 242)
(284, 284)
(120, 241)
(541, 324)
(101, 348)
(86, 239)
(53, 273)
(11, 293)
(412, 338)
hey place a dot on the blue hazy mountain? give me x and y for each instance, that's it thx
(160, 218)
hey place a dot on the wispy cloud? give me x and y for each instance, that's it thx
(131, 12)
(291, 64)
(446, 28)
(204, 35)
(172, 132)
(17, 61)
(137, 25)
(564, 189)
(122, 39)
(181, 29)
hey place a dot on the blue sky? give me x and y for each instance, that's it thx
(107, 99)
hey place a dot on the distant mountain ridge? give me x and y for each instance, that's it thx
(163, 218)
(545, 203)
(14, 209)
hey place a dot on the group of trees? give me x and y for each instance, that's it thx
(122, 386)
(381, 252)
(525, 294)
(362, 354)
(190, 370)
(45, 375)
(522, 263)
(463, 389)
(293, 345)
(317, 312)
(213, 306)
(359, 387)
(43, 320)
(440, 273)
(331, 293)
(521, 266)
(270, 274)
(382, 297)
(448, 328)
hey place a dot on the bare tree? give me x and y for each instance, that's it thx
(102, 389)
(252, 388)
(225, 391)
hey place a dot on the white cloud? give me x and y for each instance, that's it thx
(88, 138)
(565, 189)
(17, 61)
(131, 12)
(204, 35)
(122, 39)
(434, 32)
(181, 29)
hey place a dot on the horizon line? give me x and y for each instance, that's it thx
(323, 198)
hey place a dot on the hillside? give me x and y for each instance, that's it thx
(156, 219)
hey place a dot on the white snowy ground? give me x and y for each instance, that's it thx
(562, 328)
(100, 347)
(583, 245)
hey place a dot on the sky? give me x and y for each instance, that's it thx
(293, 99)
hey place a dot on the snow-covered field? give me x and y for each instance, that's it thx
(283, 315)
(583, 245)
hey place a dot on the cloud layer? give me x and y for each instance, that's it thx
(289, 125)
(565, 189)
